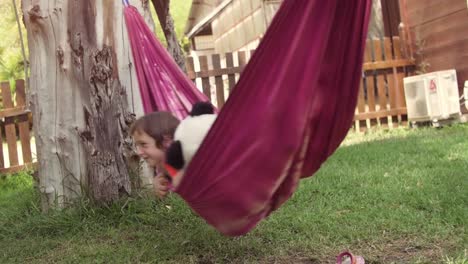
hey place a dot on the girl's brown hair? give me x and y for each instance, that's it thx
(156, 125)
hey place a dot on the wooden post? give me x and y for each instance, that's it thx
(218, 80)
(231, 77)
(205, 79)
(10, 129)
(23, 123)
(190, 68)
(381, 91)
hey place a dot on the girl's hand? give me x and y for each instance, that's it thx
(161, 185)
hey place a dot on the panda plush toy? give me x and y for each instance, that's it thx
(188, 137)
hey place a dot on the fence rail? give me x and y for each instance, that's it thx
(14, 129)
(381, 99)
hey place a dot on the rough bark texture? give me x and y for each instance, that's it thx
(108, 146)
(83, 95)
(167, 24)
(376, 24)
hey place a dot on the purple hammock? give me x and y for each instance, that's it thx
(163, 86)
(290, 110)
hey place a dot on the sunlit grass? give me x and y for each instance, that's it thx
(393, 197)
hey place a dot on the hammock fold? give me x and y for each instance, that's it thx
(290, 110)
(163, 86)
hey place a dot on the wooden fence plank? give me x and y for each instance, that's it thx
(23, 123)
(391, 91)
(20, 94)
(378, 54)
(205, 80)
(241, 58)
(391, 77)
(361, 99)
(400, 91)
(367, 79)
(400, 74)
(368, 51)
(232, 76)
(10, 130)
(190, 65)
(382, 65)
(381, 95)
(25, 139)
(371, 92)
(251, 53)
(6, 96)
(396, 48)
(361, 106)
(393, 48)
(381, 91)
(388, 49)
(218, 81)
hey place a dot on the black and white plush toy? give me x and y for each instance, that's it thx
(189, 135)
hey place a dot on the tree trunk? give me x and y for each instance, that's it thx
(83, 96)
(376, 24)
(167, 24)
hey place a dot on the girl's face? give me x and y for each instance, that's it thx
(147, 149)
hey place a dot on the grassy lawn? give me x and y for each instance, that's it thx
(393, 197)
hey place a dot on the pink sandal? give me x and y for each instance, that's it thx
(351, 259)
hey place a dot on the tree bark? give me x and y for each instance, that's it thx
(167, 24)
(376, 24)
(84, 94)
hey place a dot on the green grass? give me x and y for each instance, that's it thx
(393, 197)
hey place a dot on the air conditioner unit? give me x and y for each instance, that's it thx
(432, 97)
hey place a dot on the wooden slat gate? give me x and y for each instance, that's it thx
(381, 99)
(14, 126)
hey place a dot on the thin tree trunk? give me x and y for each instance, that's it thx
(376, 24)
(167, 24)
(83, 96)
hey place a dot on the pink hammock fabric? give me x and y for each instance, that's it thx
(163, 86)
(290, 110)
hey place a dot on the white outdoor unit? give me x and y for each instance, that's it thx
(432, 97)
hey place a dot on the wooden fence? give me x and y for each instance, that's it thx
(224, 77)
(381, 97)
(381, 100)
(14, 127)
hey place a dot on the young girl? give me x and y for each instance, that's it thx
(152, 135)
